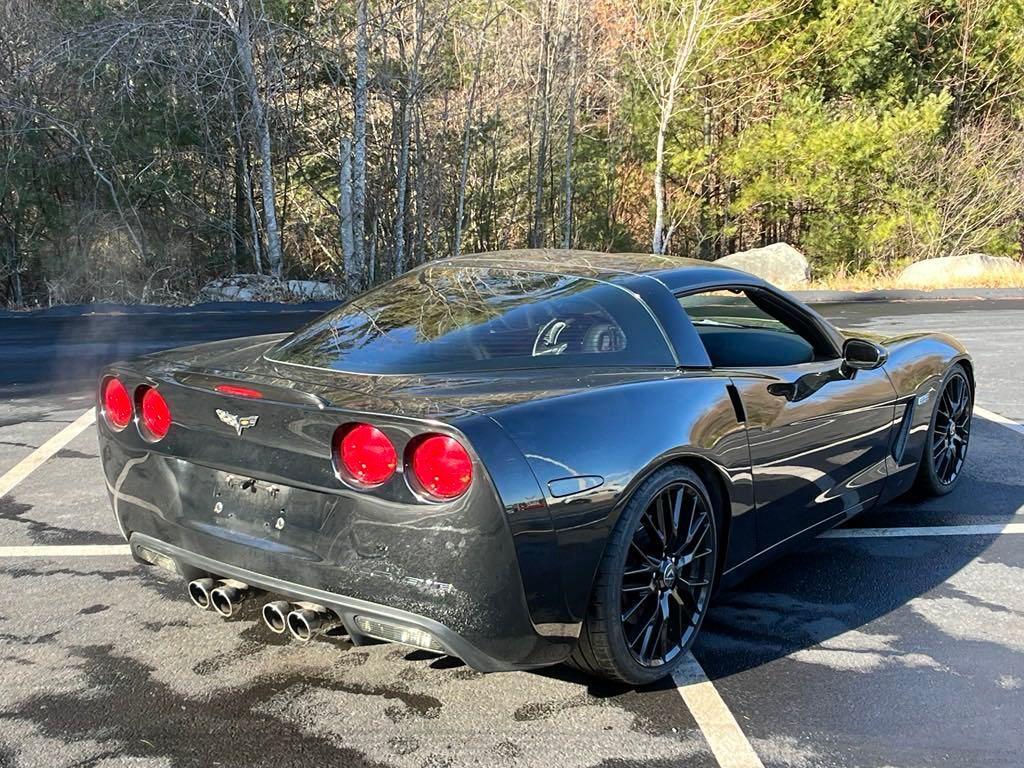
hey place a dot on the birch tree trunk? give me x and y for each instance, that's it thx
(238, 207)
(401, 185)
(348, 251)
(405, 129)
(460, 203)
(658, 239)
(570, 129)
(691, 19)
(359, 103)
(704, 238)
(243, 43)
(419, 191)
(250, 203)
(544, 99)
(254, 223)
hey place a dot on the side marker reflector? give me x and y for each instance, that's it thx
(397, 633)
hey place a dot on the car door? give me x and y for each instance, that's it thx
(818, 431)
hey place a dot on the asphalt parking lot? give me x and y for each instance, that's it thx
(877, 646)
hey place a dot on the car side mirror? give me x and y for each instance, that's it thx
(863, 355)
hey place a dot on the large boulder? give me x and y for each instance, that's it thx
(266, 288)
(242, 288)
(958, 270)
(778, 263)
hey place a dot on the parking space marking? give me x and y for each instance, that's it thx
(66, 550)
(35, 459)
(999, 419)
(728, 743)
(924, 530)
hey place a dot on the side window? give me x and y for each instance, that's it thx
(739, 333)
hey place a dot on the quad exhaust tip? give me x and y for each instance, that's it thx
(303, 621)
(306, 623)
(227, 598)
(275, 616)
(199, 592)
(223, 596)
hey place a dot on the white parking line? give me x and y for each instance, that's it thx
(34, 460)
(996, 529)
(69, 550)
(723, 734)
(999, 419)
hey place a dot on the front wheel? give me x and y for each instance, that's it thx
(949, 433)
(654, 583)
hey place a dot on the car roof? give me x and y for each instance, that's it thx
(675, 273)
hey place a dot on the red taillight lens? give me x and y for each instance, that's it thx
(442, 466)
(363, 453)
(117, 404)
(156, 416)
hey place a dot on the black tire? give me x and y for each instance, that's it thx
(681, 587)
(945, 448)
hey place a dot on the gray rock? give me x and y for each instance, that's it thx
(959, 269)
(266, 288)
(778, 263)
(311, 290)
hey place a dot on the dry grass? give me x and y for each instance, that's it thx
(889, 282)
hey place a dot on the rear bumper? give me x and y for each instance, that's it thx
(452, 572)
(348, 608)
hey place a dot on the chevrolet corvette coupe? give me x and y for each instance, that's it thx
(523, 458)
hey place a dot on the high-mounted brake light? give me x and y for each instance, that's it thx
(117, 404)
(442, 467)
(232, 389)
(364, 454)
(156, 416)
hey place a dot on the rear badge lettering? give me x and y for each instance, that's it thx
(237, 422)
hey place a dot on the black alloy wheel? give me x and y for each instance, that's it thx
(948, 436)
(655, 582)
(666, 582)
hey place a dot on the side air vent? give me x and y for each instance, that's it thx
(899, 443)
(737, 403)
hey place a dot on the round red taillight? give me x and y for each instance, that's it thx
(117, 404)
(156, 416)
(363, 453)
(442, 467)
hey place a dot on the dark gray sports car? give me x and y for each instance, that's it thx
(523, 458)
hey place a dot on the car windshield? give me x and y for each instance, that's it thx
(457, 319)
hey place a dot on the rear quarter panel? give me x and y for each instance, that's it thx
(916, 366)
(610, 439)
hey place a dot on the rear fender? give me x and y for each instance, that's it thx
(590, 450)
(916, 366)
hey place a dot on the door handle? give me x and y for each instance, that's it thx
(782, 389)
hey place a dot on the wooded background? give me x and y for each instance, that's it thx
(146, 147)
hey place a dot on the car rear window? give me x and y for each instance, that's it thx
(455, 319)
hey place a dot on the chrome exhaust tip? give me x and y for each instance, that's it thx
(275, 616)
(227, 598)
(306, 623)
(199, 592)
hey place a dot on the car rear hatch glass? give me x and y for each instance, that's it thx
(448, 319)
